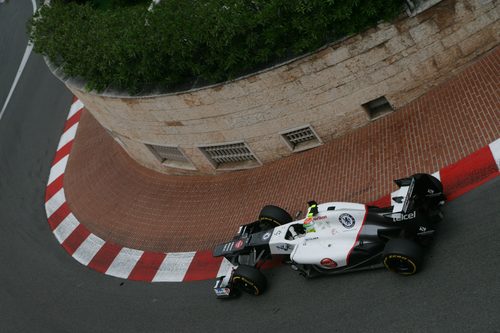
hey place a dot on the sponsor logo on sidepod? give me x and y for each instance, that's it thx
(347, 220)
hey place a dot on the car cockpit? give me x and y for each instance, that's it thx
(295, 231)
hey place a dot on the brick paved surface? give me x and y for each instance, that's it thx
(121, 201)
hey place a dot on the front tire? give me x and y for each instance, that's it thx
(274, 216)
(402, 256)
(249, 279)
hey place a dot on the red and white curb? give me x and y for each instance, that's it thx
(115, 260)
(107, 257)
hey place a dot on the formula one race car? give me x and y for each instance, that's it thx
(335, 237)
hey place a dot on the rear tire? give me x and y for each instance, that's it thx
(249, 279)
(402, 256)
(274, 215)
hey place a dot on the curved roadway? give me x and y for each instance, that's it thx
(42, 289)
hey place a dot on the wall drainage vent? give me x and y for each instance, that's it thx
(170, 156)
(301, 138)
(230, 156)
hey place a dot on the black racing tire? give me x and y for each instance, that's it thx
(276, 216)
(402, 256)
(249, 279)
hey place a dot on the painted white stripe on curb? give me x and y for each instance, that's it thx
(58, 169)
(124, 263)
(75, 107)
(495, 151)
(224, 268)
(174, 267)
(88, 249)
(67, 226)
(55, 202)
(67, 136)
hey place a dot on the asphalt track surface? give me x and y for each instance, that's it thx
(42, 289)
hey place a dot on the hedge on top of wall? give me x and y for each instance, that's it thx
(181, 43)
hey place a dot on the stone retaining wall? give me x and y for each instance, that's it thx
(325, 89)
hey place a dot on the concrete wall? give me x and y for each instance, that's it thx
(325, 89)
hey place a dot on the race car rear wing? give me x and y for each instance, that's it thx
(400, 199)
(414, 192)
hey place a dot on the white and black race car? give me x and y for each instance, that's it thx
(335, 237)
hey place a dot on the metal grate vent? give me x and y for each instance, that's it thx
(301, 138)
(228, 153)
(165, 153)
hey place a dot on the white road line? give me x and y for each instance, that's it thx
(26, 55)
(174, 267)
(88, 249)
(18, 75)
(124, 263)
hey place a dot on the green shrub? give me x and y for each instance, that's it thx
(185, 41)
(108, 4)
